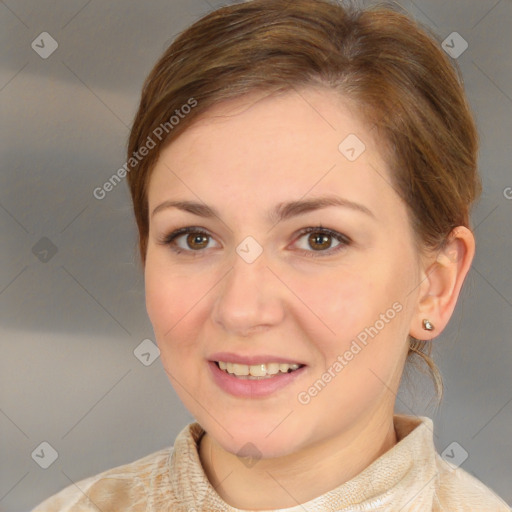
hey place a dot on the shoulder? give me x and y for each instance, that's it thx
(127, 487)
(457, 490)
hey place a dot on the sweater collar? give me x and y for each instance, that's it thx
(403, 474)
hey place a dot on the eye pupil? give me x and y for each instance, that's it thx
(194, 238)
(320, 239)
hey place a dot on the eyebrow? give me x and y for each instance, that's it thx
(281, 212)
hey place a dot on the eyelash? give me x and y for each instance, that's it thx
(343, 239)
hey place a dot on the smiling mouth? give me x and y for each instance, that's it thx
(257, 371)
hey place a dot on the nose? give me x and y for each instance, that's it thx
(249, 298)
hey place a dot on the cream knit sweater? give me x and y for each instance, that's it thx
(409, 477)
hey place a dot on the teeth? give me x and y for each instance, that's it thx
(273, 368)
(257, 370)
(240, 369)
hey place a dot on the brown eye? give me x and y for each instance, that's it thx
(190, 239)
(319, 242)
(197, 241)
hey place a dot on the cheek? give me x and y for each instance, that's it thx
(361, 339)
(172, 305)
(337, 304)
(360, 314)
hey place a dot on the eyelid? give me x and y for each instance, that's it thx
(196, 230)
(343, 240)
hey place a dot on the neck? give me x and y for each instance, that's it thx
(279, 482)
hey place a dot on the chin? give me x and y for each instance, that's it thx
(255, 439)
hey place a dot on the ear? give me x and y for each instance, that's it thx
(442, 278)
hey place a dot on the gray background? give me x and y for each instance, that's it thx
(69, 325)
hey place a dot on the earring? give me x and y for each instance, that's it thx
(427, 325)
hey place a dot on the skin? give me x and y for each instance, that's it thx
(242, 158)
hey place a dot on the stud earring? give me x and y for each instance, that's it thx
(427, 325)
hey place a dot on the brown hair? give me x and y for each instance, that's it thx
(392, 68)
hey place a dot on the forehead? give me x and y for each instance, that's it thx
(275, 148)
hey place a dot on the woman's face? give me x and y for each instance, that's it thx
(254, 289)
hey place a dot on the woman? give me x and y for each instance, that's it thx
(302, 176)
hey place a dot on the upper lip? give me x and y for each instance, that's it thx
(230, 357)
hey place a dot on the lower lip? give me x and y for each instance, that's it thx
(251, 388)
